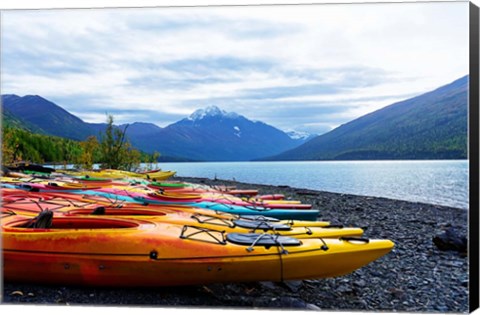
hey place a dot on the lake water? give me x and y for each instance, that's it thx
(435, 182)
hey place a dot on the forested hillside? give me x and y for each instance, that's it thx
(20, 144)
(433, 125)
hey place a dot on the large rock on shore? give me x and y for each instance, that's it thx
(451, 239)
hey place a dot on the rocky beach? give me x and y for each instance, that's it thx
(416, 276)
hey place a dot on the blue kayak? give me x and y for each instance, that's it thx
(284, 214)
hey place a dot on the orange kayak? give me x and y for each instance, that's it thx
(119, 252)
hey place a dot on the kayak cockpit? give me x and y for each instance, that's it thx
(116, 211)
(44, 221)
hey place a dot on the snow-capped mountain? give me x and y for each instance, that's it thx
(300, 135)
(213, 134)
(210, 111)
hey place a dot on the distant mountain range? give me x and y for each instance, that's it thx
(208, 134)
(430, 126)
(212, 134)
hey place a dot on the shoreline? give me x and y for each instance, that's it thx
(431, 196)
(414, 277)
(300, 192)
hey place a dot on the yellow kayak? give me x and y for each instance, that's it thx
(205, 220)
(155, 175)
(118, 174)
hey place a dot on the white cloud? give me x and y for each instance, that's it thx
(125, 58)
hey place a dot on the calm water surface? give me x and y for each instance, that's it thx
(435, 182)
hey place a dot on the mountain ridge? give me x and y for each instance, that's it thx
(46, 116)
(208, 134)
(430, 125)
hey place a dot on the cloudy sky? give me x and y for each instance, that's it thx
(306, 67)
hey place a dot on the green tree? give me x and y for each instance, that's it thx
(150, 160)
(8, 150)
(116, 151)
(89, 148)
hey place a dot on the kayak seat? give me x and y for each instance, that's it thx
(30, 188)
(262, 225)
(42, 221)
(99, 211)
(255, 239)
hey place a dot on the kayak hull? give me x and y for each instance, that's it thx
(142, 271)
(133, 271)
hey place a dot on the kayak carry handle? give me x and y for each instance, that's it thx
(333, 226)
(353, 238)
